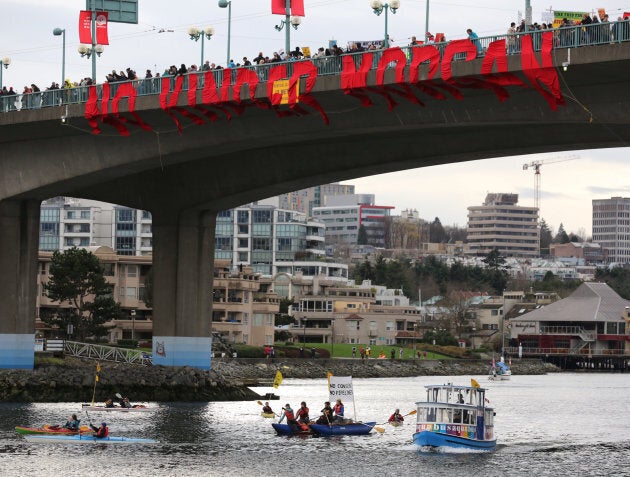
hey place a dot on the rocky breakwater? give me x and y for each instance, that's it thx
(248, 371)
(73, 381)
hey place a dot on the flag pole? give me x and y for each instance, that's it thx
(98, 370)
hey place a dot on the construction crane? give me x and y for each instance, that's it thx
(536, 165)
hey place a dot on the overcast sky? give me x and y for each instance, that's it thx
(444, 191)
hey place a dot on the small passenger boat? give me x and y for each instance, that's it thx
(87, 438)
(456, 417)
(50, 429)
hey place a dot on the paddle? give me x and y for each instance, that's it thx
(118, 395)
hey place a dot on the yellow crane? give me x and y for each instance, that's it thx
(536, 165)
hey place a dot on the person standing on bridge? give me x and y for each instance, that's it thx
(472, 36)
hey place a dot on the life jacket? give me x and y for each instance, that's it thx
(102, 432)
(302, 413)
(338, 409)
(290, 415)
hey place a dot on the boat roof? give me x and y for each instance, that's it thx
(454, 386)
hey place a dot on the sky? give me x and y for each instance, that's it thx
(567, 186)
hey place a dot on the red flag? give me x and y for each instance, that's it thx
(279, 7)
(297, 8)
(85, 27)
(101, 28)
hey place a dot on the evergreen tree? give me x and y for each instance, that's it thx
(362, 237)
(546, 237)
(76, 277)
(494, 260)
(561, 236)
(437, 234)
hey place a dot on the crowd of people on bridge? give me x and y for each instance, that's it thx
(594, 30)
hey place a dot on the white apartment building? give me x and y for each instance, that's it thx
(502, 224)
(611, 227)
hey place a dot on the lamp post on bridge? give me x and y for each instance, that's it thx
(195, 33)
(6, 61)
(288, 20)
(90, 51)
(62, 32)
(378, 6)
(228, 4)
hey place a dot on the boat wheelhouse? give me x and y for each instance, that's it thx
(455, 416)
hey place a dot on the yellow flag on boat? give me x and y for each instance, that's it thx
(474, 383)
(98, 367)
(277, 380)
(328, 375)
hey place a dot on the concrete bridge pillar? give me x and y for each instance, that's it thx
(183, 257)
(19, 236)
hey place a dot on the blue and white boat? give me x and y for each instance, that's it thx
(500, 371)
(456, 417)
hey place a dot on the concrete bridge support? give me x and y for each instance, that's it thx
(19, 240)
(183, 257)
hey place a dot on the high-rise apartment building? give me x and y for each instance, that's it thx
(611, 227)
(304, 200)
(503, 225)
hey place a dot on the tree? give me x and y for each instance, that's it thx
(282, 317)
(437, 234)
(148, 289)
(546, 237)
(494, 260)
(76, 277)
(561, 236)
(362, 238)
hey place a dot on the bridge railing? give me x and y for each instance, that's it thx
(106, 353)
(568, 37)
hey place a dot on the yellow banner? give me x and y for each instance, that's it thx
(277, 380)
(558, 16)
(282, 87)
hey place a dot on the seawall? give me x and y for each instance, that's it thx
(74, 380)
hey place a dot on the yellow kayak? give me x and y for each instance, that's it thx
(267, 414)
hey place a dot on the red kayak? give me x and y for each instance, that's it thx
(49, 429)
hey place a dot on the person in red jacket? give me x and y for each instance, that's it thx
(290, 415)
(100, 432)
(396, 417)
(302, 414)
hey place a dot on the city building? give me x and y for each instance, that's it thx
(503, 225)
(344, 215)
(368, 314)
(241, 312)
(592, 321)
(580, 253)
(611, 227)
(304, 200)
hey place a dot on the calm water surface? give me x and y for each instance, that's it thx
(571, 424)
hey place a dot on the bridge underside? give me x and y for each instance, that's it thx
(185, 177)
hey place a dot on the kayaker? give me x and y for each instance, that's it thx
(267, 408)
(124, 402)
(290, 415)
(326, 417)
(72, 423)
(302, 413)
(100, 432)
(396, 417)
(338, 411)
(109, 403)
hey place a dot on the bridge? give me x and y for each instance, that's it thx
(185, 148)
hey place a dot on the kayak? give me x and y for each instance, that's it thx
(351, 429)
(267, 414)
(137, 408)
(87, 438)
(48, 429)
(395, 424)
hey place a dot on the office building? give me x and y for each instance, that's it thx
(611, 227)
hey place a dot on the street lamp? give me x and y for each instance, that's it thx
(415, 331)
(62, 32)
(378, 6)
(195, 33)
(133, 325)
(6, 61)
(288, 20)
(332, 343)
(304, 330)
(224, 4)
(90, 51)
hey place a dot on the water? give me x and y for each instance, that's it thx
(571, 424)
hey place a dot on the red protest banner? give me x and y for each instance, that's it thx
(279, 7)
(101, 28)
(85, 27)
